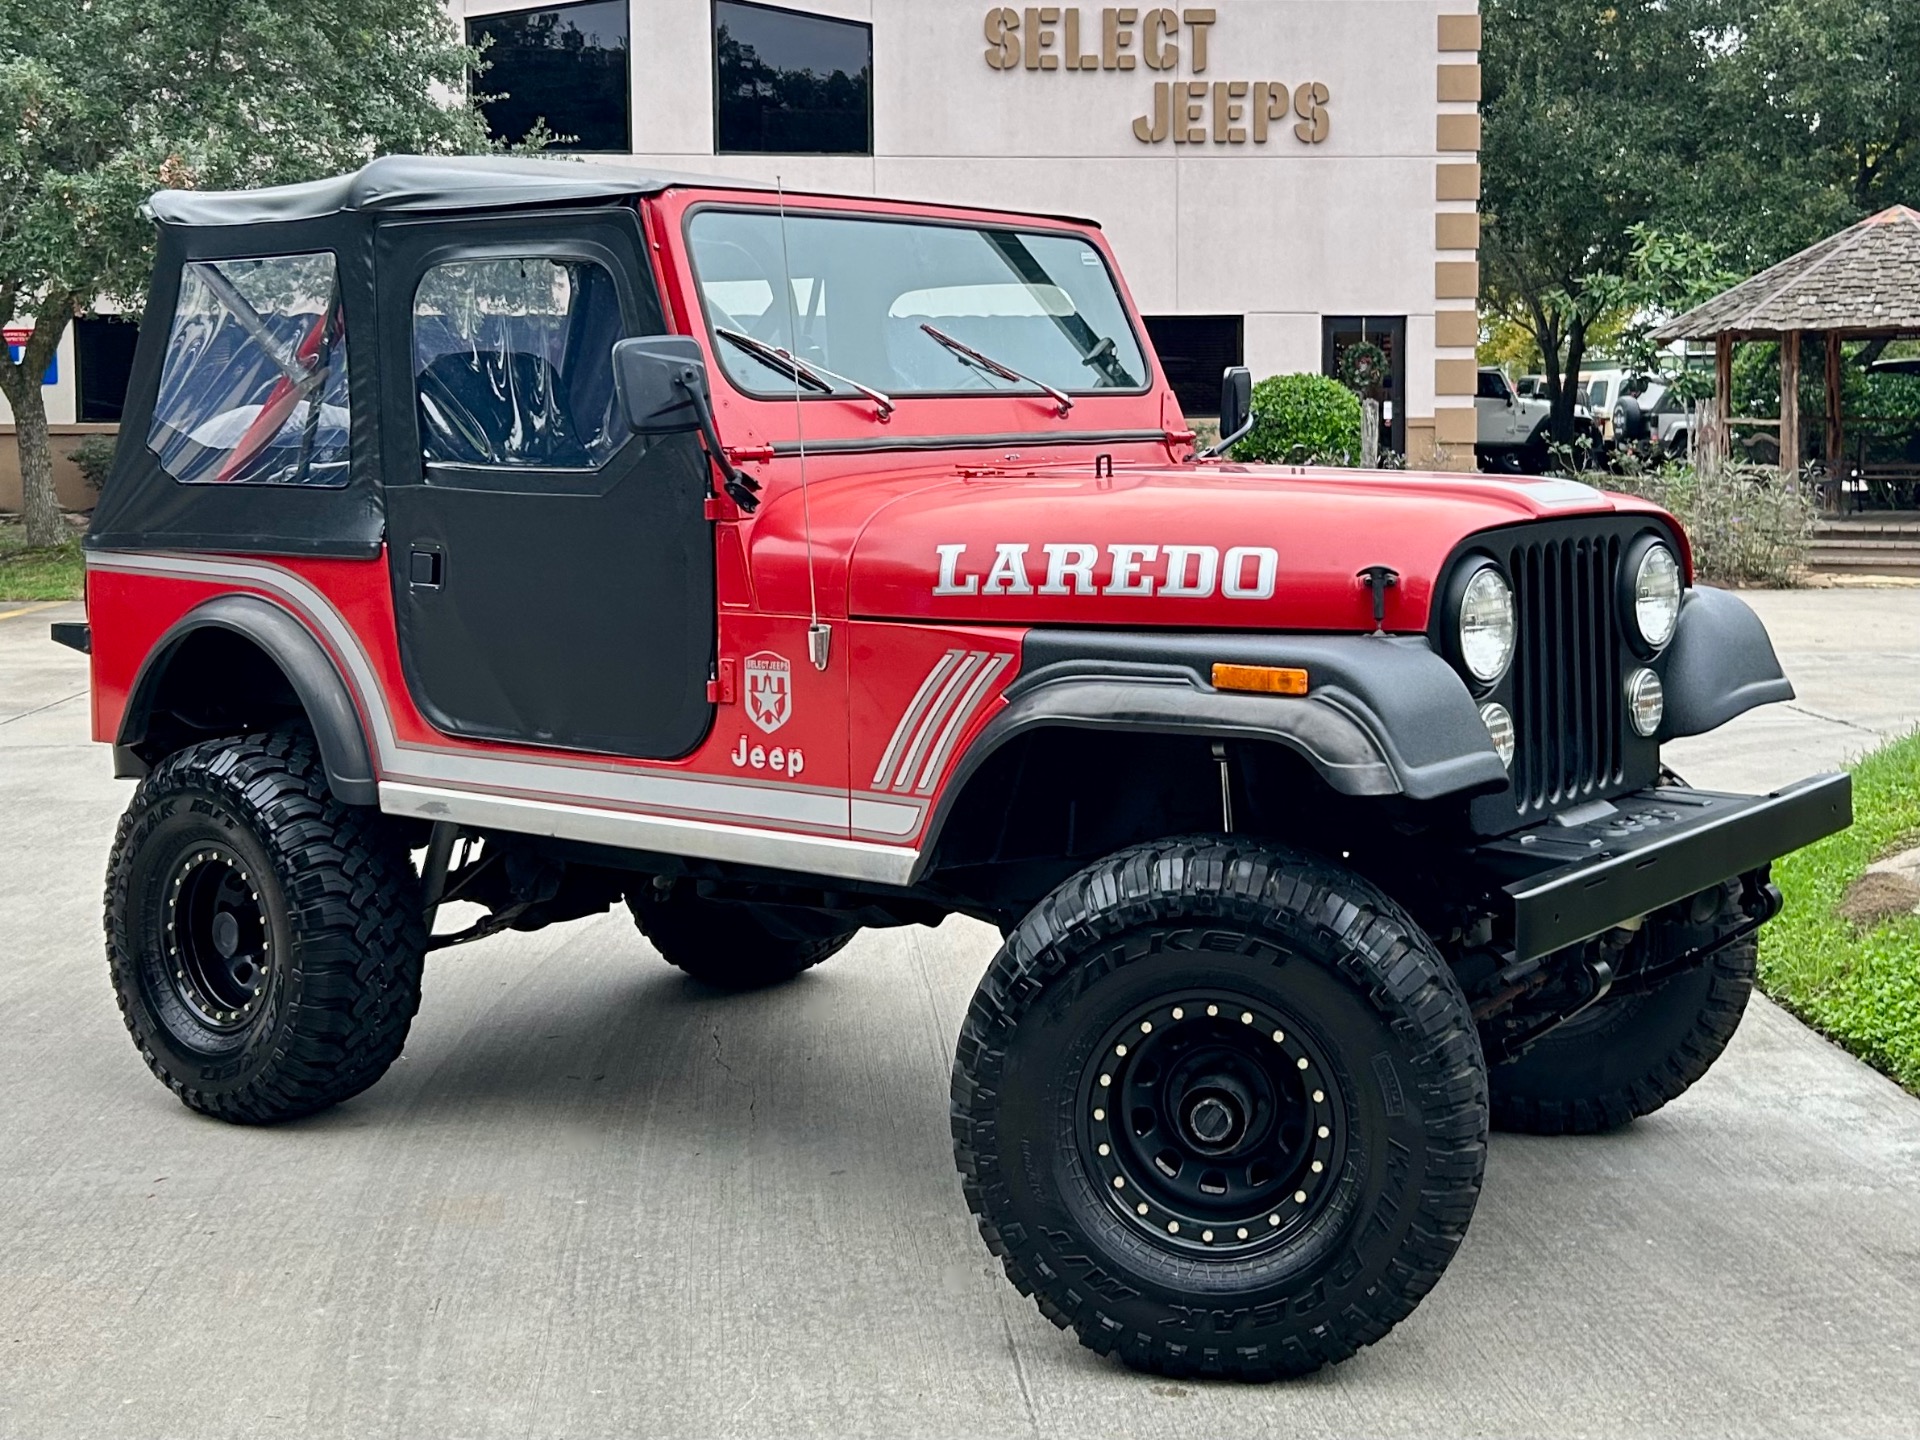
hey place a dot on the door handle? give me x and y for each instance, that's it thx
(425, 569)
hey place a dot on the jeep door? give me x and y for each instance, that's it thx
(552, 573)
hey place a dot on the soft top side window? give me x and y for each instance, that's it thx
(513, 362)
(253, 389)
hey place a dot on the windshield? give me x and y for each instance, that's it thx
(864, 291)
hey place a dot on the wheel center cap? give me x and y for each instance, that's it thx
(226, 934)
(1213, 1120)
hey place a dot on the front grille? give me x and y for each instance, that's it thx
(1568, 715)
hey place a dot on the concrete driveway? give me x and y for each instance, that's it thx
(593, 1200)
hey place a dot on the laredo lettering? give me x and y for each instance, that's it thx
(1173, 572)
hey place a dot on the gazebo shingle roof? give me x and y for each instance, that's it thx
(1865, 278)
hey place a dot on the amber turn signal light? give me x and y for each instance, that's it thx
(1261, 679)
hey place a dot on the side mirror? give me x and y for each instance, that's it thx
(1236, 407)
(1236, 399)
(661, 384)
(656, 378)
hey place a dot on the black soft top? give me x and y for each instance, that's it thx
(424, 182)
(437, 182)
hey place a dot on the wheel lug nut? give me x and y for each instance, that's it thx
(1141, 1208)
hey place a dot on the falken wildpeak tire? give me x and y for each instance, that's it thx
(265, 941)
(1626, 1057)
(1205, 944)
(727, 946)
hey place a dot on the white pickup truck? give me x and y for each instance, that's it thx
(1515, 430)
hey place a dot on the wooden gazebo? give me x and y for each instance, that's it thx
(1862, 284)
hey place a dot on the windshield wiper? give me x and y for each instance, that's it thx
(971, 356)
(801, 372)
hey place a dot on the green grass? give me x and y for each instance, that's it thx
(1860, 988)
(51, 573)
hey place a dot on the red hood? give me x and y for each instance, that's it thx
(1283, 545)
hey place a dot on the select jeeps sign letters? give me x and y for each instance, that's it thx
(1188, 112)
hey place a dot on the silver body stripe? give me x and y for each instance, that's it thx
(956, 722)
(814, 854)
(936, 713)
(915, 708)
(675, 812)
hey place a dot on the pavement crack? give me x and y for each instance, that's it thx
(1019, 1370)
(1832, 719)
(51, 704)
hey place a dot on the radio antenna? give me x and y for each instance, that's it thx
(819, 635)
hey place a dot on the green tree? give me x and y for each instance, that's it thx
(1590, 110)
(1821, 100)
(104, 101)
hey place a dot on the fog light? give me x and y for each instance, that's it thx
(1499, 730)
(1646, 701)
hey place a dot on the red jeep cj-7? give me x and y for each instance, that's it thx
(546, 536)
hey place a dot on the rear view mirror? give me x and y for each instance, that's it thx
(1236, 406)
(661, 381)
(661, 384)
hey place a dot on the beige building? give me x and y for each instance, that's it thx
(1278, 177)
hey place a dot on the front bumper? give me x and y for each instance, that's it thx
(1594, 867)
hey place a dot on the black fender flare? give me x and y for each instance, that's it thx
(1384, 715)
(310, 671)
(1720, 664)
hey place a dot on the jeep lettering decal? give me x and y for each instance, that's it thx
(1182, 572)
(769, 690)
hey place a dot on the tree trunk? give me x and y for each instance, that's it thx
(1563, 403)
(39, 506)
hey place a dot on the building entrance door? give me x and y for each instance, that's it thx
(1389, 332)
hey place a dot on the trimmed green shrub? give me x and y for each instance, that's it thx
(93, 457)
(1302, 420)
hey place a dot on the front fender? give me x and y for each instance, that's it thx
(1384, 715)
(1721, 664)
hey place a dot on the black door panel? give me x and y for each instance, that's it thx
(552, 600)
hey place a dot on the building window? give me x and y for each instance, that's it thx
(1389, 332)
(790, 83)
(103, 359)
(1193, 350)
(565, 66)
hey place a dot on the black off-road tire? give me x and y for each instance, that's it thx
(1385, 1044)
(725, 945)
(1627, 1056)
(321, 894)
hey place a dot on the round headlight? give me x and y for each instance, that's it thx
(1499, 730)
(1487, 627)
(1646, 701)
(1656, 595)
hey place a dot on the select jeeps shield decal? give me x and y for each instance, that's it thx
(769, 690)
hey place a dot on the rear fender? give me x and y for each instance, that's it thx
(307, 668)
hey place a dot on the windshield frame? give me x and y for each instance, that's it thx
(784, 392)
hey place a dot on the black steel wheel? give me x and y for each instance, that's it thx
(1220, 1109)
(217, 955)
(264, 940)
(1215, 1120)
